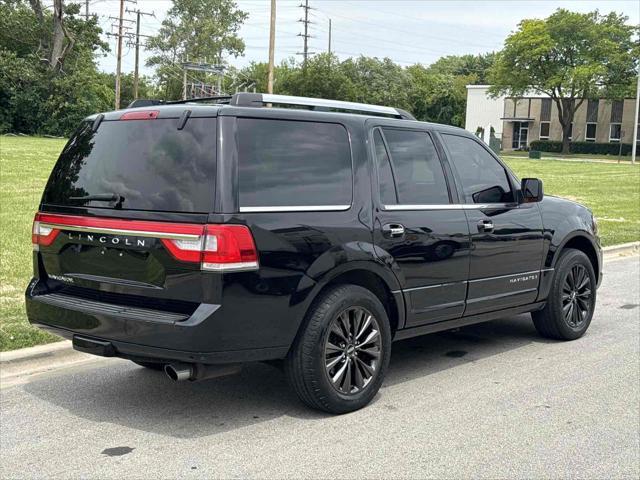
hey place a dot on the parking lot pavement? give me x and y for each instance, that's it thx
(491, 400)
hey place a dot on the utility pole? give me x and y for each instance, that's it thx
(136, 74)
(119, 54)
(305, 35)
(329, 36)
(272, 46)
(634, 139)
(86, 10)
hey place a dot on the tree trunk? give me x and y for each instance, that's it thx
(59, 36)
(566, 133)
(566, 110)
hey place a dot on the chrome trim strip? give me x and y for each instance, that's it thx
(296, 208)
(412, 289)
(465, 281)
(321, 102)
(547, 270)
(504, 276)
(450, 206)
(114, 231)
(501, 295)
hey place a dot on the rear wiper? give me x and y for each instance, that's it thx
(102, 197)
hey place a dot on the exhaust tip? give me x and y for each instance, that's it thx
(178, 373)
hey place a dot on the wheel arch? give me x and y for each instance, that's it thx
(366, 274)
(582, 241)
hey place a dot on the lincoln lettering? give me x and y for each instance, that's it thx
(104, 239)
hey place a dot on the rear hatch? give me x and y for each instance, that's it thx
(124, 215)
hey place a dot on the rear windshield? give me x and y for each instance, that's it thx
(145, 165)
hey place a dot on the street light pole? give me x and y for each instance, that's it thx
(634, 139)
(272, 46)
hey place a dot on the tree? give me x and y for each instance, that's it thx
(195, 30)
(475, 67)
(570, 57)
(40, 97)
(438, 97)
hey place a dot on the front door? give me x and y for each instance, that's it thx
(421, 235)
(506, 254)
(520, 135)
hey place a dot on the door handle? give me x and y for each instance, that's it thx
(393, 230)
(485, 226)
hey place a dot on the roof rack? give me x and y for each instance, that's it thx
(261, 99)
(246, 99)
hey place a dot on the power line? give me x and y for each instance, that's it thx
(139, 13)
(305, 35)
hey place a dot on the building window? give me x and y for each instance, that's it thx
(615, 132)
(544, 130)
(592, 111)
(638, 134)
(590, 133)
(617, 107)
(545, 110)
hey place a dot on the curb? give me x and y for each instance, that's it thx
(621, 249)
(26, 361)
(23, 362)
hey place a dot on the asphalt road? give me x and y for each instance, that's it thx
(488, 401)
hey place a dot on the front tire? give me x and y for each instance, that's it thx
(572, 299)
(338, 362)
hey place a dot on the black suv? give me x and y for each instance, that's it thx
(194, 236)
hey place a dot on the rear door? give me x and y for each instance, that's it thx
(506, 253)
(419, 230)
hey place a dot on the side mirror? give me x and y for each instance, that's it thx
(531, 189)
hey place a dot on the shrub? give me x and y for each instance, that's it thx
(581, 147)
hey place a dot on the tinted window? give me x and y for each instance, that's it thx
(385, 175)
(416, 168)
(152, 164)
(288, 163)
(483, 179)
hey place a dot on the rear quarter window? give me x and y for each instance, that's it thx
(283, 163)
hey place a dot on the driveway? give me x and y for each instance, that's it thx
(490, 400)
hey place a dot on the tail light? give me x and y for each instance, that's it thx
(219, 248)
(42, 234)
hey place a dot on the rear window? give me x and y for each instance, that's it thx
(150, 164)
(284, 163)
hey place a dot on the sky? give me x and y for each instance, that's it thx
(408, 32)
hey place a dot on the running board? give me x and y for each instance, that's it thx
(464, 321)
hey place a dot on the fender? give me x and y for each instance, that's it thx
(566, 222)
(317, 278)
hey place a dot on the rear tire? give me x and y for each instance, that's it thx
(339, 359)
(572, 298)
(150, 365)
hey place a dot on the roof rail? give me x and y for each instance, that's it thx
(246, 99)
(260, 99)
(147, 102)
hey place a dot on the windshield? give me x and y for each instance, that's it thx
(137, 165)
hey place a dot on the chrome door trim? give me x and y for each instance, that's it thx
(296, 208)
(451, 206)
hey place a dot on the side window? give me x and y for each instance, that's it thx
(388, 195)
(483, 179)
(415, 167)
(284, 163)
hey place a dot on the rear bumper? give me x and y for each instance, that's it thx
(207, 336)
(135, 351)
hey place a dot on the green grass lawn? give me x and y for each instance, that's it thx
(611, 190)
